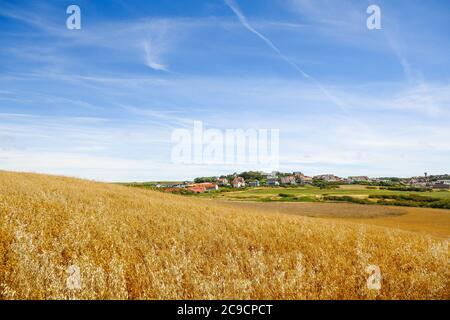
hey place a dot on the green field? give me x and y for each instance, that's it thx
(315, 194)
(256, 194)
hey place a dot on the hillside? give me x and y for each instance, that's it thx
(138, 244)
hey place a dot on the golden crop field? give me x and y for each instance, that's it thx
(130, 243)
(434, 222)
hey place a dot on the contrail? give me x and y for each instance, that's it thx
(243, 20)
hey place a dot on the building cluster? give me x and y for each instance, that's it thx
(298, 178)
(425, 181)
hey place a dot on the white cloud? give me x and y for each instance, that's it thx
(431, 100)
(152, 57)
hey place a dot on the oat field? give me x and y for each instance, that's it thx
(64, 238)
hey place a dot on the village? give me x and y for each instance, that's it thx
(254, 179)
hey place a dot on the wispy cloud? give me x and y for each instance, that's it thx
(346, 21)
(143, 40)
(152, 57)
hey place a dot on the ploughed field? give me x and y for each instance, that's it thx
(131, 243)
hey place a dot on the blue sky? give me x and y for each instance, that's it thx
(102, 102)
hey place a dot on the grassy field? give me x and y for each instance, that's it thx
(131, 243)
(310, 193)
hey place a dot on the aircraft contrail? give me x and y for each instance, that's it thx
(243, 20)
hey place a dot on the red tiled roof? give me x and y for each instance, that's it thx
(208, 185)
(197, 189)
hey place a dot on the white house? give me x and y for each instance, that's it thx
(238, 182)
(288, 180)
(327, 177)
(272, 182)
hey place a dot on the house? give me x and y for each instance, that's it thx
(196, 189)
(358, 179)
(254, 183)
(272, 182)
(382, 180)
(442, 184)
(327, 177)
(222, 181)
(288, 180)
(418, 182)
(238, 182)
(203, 187)
(306, 180)
(301, 178)
(209, 186)
(298, 175)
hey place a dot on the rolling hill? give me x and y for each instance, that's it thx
(128, 243)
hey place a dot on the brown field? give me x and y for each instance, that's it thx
(318, 209)
(434, 222)
(130, 243)
(352, 187)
